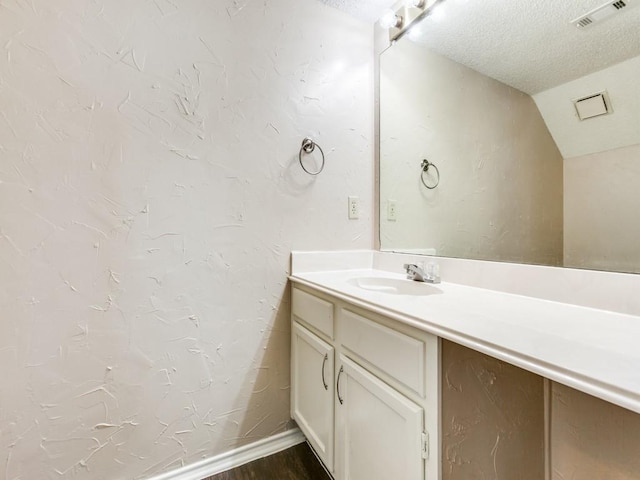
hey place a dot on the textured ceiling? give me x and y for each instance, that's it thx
(531, 45)
(367, 10)
(527, 44)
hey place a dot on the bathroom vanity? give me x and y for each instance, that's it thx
(366, 358)
(364, 388)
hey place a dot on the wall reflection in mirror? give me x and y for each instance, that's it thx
(486, 91)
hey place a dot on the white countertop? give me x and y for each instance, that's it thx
(595, 351)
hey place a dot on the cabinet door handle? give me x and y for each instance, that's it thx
(324, 382)
(340, 399)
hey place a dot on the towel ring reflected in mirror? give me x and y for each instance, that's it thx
(426, 165)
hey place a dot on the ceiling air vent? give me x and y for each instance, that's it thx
(593, 105)
(602, 12)
(585, 22)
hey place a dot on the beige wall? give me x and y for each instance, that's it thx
(492, 418)
(602, 210)
(493, 425)
(150, 195)
(592, 439)
(500, 195)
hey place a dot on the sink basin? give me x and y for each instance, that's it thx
(394, 286)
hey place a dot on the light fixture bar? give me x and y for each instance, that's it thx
(399, 21)
(392, 20)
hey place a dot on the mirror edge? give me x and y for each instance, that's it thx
(381, 43)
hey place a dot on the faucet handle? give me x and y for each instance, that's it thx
(411, 270)
(433, 272)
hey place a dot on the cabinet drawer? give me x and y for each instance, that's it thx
(313, 311)
(398, 355)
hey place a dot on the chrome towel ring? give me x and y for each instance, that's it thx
(426, 164)
(308, 146)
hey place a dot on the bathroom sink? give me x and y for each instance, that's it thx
(394, 286)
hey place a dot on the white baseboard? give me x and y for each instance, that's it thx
(235, 458)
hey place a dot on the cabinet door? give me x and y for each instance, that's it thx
(312, 390)
(379, 431)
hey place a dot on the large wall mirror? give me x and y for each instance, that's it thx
(530, 126)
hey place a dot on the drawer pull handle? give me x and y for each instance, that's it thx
(324, 382)
(340, 399)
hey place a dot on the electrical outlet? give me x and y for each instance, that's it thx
(392, 210)
(354, 208)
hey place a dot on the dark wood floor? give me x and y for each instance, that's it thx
(296, 463)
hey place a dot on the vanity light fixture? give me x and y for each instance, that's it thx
(416, 3)
(391, 20)
(399, 21)
(415, 33)
(438, 13)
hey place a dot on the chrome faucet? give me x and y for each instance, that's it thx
(418, 273)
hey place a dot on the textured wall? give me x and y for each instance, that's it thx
(592, 439)
(601, 208)
(149, 198)
(493, 425)
(500, 194)
(492, 418)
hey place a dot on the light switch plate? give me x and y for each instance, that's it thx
(354, 208)
(392, 210)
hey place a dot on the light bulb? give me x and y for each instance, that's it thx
(437, 12)
(389, 19)
(415, 33)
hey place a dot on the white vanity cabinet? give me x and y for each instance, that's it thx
(365, 390)
(312, 372)
(379, 431)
